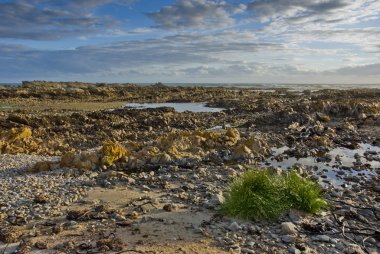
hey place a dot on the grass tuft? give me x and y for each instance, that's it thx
(259, 194)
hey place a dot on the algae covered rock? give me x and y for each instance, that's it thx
(109, 154)
(112, 152)
(22, 133)
(175, 147)
(18, 140)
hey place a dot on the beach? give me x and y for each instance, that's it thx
(123, 168)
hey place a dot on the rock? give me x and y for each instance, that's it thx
(169, 207)
(294, 250)
(134, 215)
(112, 152)
(216, 200)
(41, 166)
(288, 228)
(10, 235)
(323, 238)
(41, 245)
(234, 226)
(41, 199)
(287, 239)
(354, 249)
(248, 251)
(119, 217)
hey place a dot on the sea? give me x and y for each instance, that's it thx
(258, 86)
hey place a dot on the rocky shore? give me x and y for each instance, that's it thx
(81, 172)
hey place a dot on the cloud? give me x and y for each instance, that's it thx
(168, 53)
(52, 20)
(304, 15)
(201, 14)
(173, 58)
(362, 70)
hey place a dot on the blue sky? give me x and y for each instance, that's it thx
(247, 41)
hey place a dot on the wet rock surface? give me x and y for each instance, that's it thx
(151, 180)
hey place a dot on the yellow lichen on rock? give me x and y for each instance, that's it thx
(257, 146)
(23, 133)
(232, 136)
(178, 147)
(18, 140)
(112, 152)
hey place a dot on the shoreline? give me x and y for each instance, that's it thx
(163, 193)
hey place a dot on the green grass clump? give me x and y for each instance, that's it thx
(259, 194)
(303, 194)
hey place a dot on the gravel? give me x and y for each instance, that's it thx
(25, 196)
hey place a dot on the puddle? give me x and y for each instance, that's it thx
(219, 127)
(179, 107)
(337, 171)
(5, 107)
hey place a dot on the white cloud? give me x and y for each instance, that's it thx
(201, 14)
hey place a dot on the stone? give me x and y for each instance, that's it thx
(216, 200)
(288, 228)
(323, 238)
(234, 226)
(354, 249)
(294, 250)
(41, 166)
(248, 251)
(287, 239)
(169, 207)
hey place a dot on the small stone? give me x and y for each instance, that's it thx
(288, 228)
(251, 244)
(287, 239)
(323, 238)
(246, 250)
(234, 226)
(131, 180)
(216, 200)
(294, 250)
(339, 246)
(134, 215)
(41, 245)
(354, 249)
(119, 217)
(169, 207)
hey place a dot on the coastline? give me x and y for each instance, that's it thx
(152, 204)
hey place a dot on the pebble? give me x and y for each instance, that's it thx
(216, 200)
(287, 239)
(248, 251)
(234, 226)
(323, 238)
(27, 195)
(288, 228)
(294, 250)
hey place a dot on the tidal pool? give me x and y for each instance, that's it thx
(336, 171)
(179, 107)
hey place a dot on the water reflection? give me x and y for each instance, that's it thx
(341, 167)
(179, 107)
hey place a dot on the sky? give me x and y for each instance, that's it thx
(191, 41)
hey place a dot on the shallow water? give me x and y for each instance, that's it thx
(179, 107)
(219, 127)
(334, 171)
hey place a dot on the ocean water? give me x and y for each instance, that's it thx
(273, 86)
(260, 86)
